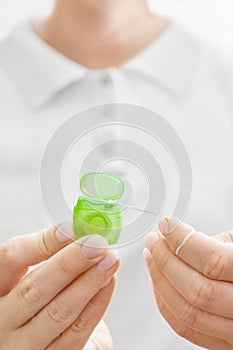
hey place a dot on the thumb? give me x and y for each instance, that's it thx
(20, 252)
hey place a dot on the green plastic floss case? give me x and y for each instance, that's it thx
(96, 213)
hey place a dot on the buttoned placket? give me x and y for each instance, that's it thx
(108, 91)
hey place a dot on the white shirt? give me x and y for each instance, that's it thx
(177, 77)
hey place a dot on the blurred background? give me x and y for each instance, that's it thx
(207, 18)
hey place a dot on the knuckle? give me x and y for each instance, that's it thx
(178, 326)
(92, 304)
(184, 331)
(29, 290)
(81, 326)
(58, 312)
(65, 264)
(102, 281)
(90, 286)
(187, 314)
(229, 236)
(216, 265)
(202, 293)
(163, 259)
(93, 284)
(44, 246)
(6, 253)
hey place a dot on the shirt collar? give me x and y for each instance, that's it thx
(171, 60)
(40, 72)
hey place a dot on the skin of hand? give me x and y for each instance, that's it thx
(60, 304)
(193, 291)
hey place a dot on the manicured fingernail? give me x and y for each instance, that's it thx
(168, 225)
(148, 257)
(109, 260)
(163, 225)
(64, 232)
(151, 241)
(93, 246)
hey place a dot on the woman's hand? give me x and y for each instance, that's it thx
(194, 290)
(60, 303)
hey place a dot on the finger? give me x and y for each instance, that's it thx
(189, 315)
(205, 254)
(198, 290)
(188, 333)
(77, 335)
(225, 237)
(36, 289)
(67, 306)
(20, 252)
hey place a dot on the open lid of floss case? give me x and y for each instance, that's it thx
(102, 186)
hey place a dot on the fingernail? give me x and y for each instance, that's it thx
(148, 257)
(151, 241)
(163, 225)
(168, 225)
(109, 260)
(64, 232)
(93, 246)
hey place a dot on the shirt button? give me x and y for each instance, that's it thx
(106, 79)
